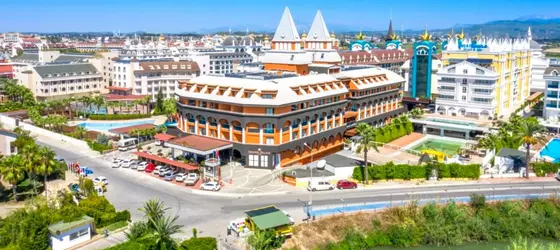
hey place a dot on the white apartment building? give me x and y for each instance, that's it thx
(104, 63)
(142, 78)
(539, 63)
(223, 62)
(552, 94)
(62, 80)
(466, 89)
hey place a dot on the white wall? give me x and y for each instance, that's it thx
(62, 241)
(10, 123)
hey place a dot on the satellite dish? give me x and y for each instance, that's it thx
(321, 164)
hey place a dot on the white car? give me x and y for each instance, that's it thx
(319, 186)
(127, 163)
(116, 163)
(101, 179)
(211, 186)
(191, 179)
(142, 166)
(157, 170)
(180, 177)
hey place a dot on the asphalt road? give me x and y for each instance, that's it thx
(210, 214)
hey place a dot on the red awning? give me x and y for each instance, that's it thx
(163, 137)
(166, 161)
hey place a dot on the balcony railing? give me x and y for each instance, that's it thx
(253, 130)
(548, 105)
(268, 131)
(552, 86)
(237, 128)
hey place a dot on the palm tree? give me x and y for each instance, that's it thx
(531, 133)
(46, 164)
(163, 230)
(79, 131)
(86, 101)
(99, 101)
(153, 209)
(30, 153)
(365, 143)
(12, 171)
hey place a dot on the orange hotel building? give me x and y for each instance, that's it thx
(289, 114)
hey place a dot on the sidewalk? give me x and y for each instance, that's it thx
(101, 242)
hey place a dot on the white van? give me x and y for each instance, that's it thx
(319, 185)
(127, 144)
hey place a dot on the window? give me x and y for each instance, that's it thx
(464, 98)
(79, 234)
(465, 71)
(464, 89)
(269, 111)
(253, 160)
(269, 141)
(294, 107)
(464, 81)
(264, 161)
(266, 96)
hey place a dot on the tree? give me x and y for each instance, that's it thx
(531, 133)
(170, 108)
(30, 154)
(11, 169)
(46, 165)
(159, 101)
(80, 131)
(99, 102)
(164, 228)
(264, 240)
(153, 209)
(365, 143)
(87, 187)
(417, 113)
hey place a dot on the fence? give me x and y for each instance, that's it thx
(491, 195)
(12, 123)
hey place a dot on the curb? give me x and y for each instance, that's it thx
(218, 194)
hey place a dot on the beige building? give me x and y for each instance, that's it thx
(61, 80)
(103, 61)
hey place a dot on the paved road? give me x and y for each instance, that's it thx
(129, 189)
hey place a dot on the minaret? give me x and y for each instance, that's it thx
(286, 36)
(318, 36)
(529, 34)
(390, 30)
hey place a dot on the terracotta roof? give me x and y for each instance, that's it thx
(164, 137)
(351, 132)
(166, 161)
(198, 142)
(114, 97)
(117, 88)
(126, 130)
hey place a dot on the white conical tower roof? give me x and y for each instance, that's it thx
(318, 30)
(286, 30)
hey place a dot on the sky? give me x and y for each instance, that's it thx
(170, 16)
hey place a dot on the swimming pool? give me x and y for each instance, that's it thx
(106, 126)
(552, 150)
(445, 146)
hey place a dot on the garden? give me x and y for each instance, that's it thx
(435, 225)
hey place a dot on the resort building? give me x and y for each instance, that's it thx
(498, 84)
(136, 79)
(539, 63)
(284, 115)
(552, 97)
(59, 81)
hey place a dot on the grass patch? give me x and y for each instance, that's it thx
(113, 227)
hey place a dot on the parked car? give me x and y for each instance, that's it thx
(180, 177)
(134, 164)
(191, 179)
(142, 166)
(150, 168)
(169, 176)
(116, 163)
(346, 184)
(164, 171)
(319, 186)
(157, 169)
(211, 186)
(101, 179)
(126, 163)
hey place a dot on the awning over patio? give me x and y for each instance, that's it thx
(165, 161)
(200, 145)
(163, 137)
(350, 132)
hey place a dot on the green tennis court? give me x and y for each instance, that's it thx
(447, 147)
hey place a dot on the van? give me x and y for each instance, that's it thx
(319, 185)
(127, 144)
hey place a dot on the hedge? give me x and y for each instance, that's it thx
(391, 132)
(390, 171)
(200, 243)
(118, 116)
(543, 168)
(98, 147)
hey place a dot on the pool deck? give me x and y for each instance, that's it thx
(160, 119)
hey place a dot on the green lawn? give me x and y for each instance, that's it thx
(113, 227)
(447, 147)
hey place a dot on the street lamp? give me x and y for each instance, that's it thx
(342, 205)
(305, 210)
(310, 172)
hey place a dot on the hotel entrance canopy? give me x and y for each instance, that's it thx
(199, 145)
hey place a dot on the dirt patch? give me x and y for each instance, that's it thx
(332, 229)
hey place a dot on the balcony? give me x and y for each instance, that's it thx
(237, 128)
(552, 86)
(551, 105)
(268, 131)
(552, 95)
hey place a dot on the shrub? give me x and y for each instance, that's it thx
(544, 168)
(102, 139)
(98, 147)
(478, 201)
(118, 116)
(122, 216)
(200, 243)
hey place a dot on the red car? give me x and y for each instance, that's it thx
(346, 184)
(150, 168)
